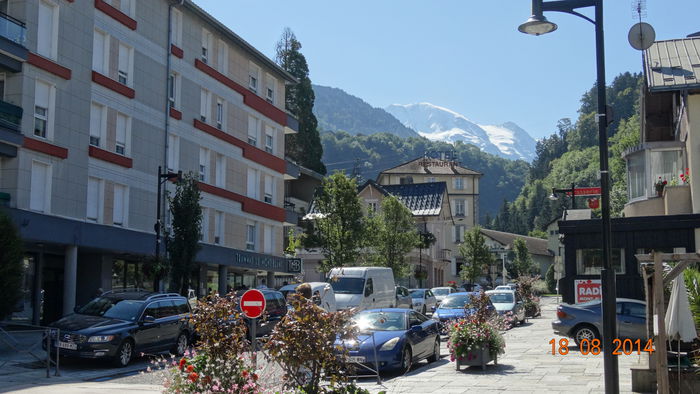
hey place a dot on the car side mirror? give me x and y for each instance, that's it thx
(149, 319)
(417, 328)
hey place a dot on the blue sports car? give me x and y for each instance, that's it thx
(399, 336)
(453, 307)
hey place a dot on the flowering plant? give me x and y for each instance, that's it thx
(201, 373)
(659, 185)
(479, 330)
(685, 176)
(452, 283)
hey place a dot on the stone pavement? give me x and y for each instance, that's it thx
(526, 367)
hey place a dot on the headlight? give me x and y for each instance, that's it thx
(100, 338)
(390, 344)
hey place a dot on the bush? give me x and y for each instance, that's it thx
(549, 279)
(11, 268)
(526, 290)
(539, 287)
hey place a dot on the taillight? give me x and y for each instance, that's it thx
(561, 314)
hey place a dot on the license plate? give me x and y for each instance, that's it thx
(356, 359)
(67, 345)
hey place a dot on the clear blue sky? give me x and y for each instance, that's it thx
(465, 55)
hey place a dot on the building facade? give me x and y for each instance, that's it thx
(101, 93)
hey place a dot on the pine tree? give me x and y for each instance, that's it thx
(305, 147)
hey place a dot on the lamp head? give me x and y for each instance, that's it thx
(553, 197)
(537, 25)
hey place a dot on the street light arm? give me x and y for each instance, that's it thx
(567, 6)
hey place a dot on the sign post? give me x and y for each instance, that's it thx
(253, 305)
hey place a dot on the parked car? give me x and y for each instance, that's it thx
(403, 298)
(321, 292)
(424, 300)
(584, 321)
(472, 287)
(508, 301)
(117, 325)
(454, 307)
(363, 287)
(442, 292)
(510, 286)
(275, 310)
(401, 336)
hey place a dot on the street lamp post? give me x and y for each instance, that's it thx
(537, 24)
(162, 178)
(554, 197)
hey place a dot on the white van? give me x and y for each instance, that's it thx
(321, 292)
(363, 287)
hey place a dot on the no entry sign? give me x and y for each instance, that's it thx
(253, 303)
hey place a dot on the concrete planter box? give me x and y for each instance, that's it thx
(476, 358)
(677, 200)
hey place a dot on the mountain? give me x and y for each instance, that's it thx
(337, 110)
(441, 124)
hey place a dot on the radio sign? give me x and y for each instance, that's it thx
(587, 290)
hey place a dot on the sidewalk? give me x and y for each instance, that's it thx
(89, 387)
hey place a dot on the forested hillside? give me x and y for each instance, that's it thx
(571, 156)
(366, 156)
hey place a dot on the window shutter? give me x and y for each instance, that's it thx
(38, 187)
(92, 198)
(45, 30)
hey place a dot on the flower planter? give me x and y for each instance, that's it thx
(475, 358)
(677, 200)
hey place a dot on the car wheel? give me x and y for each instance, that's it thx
(180, 344)
(124, 353)
(406, 360)
(423, 310)
(436, 352)
(585, 332)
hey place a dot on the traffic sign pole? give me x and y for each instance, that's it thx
(252, 306)
(254, 355)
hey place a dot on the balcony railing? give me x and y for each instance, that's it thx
(13, 29)
(10, 116)
(445, 254)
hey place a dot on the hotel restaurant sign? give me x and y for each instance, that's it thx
(266, 262)
(437, 163)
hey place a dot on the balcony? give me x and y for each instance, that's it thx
(10, 129)
(13, 37)
(293, 171)
(675, 200)
(292, 126)
(445, 254)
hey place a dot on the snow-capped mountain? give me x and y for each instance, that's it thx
(441, 124)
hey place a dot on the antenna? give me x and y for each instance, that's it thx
(639, 9)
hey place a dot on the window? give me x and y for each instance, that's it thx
(174, 90)
(218, 227)
(220, 180)
(590, 261)
(176, 28)
(666, 164)
(124, 69)
(636, 176)
(267, 240)
(429, 179)
(372, 206)
(269, 186)
(126, 6)
(250, 236)
(252, 184)
(40, 187)
(93, 199)
(43, 103)
(47, 30)
(405, 180)
(459, 183)
(204, 229)
(270, 91)
(253, 130)
(120, 208)
(204, 105)
(123, 126)
(269, 139)
(98, 123)
(206, 45)
(633, 309)
(253, 76)
(203, 164)
(100, 52)
(173, 153)
(220, 114)
(222, 57)
(459, 233)
(459, 208)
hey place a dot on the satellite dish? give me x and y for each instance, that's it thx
(641, 36)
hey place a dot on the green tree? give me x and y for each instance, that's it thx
(11, 268)
(187, 220)
(339, 226)
(522, 263)
(395, 237)
(549, 279)
(304, 147)
(475, 253)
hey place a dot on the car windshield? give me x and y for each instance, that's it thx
(455, 301)
(380, 321)
(113, 308)
(441, 291)
(501, 298)
(344, 285)
(417, 293)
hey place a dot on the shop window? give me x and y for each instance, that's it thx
(131, 275)
(590, 261)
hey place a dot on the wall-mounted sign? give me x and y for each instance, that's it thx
(587, 290)
(294, 265)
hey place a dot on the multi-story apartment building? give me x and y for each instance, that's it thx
(97, 94)
(462, 193)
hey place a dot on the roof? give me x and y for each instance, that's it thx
(240, 41)
(673, 65)
(425, 165)
(536, 246)
(422, 199)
